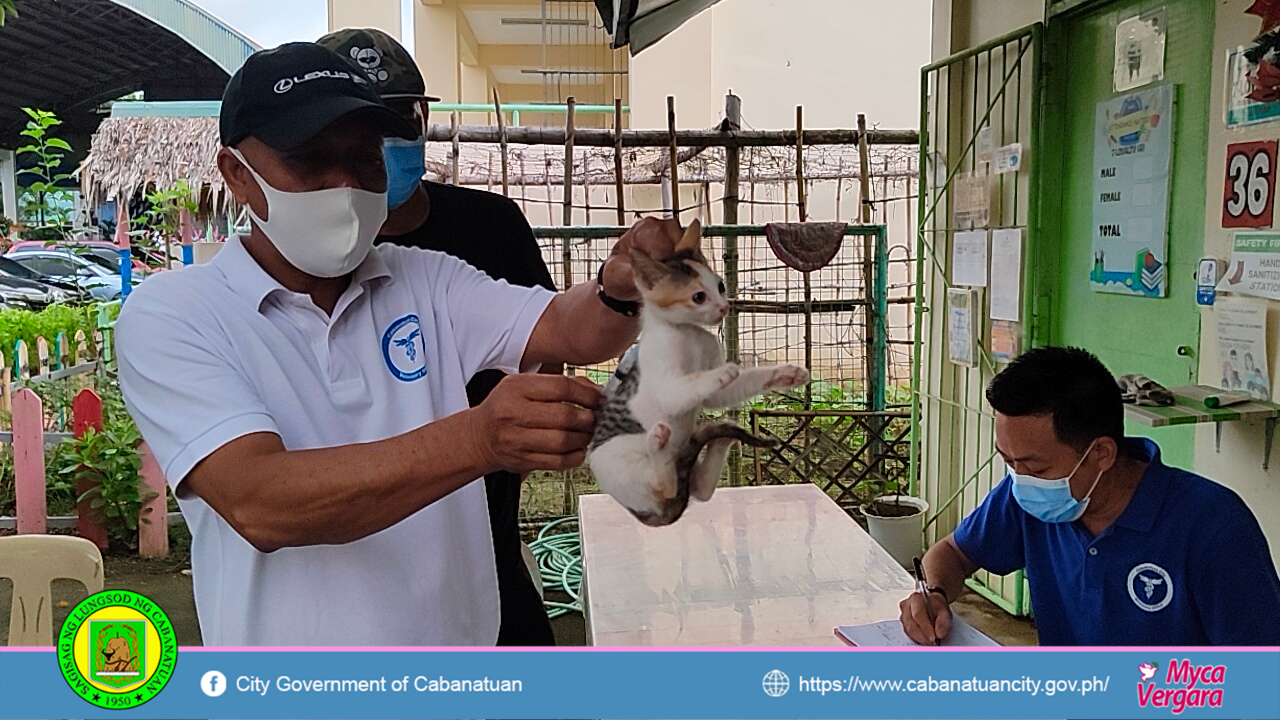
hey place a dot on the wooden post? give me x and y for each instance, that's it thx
(674, 157)
(42, 356)
(82, 348)
(568, 172)
(86, 413)
(729, 208)
(619, 185)
(28, 463)
(153, 516)
(868, 255)
(802, 198)
(801, 192)
(6, 386)
(62, 355)
(457, 147)
(502, 141)
(21, 361)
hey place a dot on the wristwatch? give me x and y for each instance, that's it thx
(630, 308)
(940, 591)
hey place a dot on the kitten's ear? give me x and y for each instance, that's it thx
(692, 237)
(648, 272)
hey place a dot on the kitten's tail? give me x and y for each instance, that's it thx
(707, 434)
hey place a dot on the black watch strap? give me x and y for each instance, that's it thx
(940, 591)
(625, 307)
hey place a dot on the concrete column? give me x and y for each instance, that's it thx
(436, 37)
(9, 186)
(381, 14)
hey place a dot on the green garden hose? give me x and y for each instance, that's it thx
(559, 558)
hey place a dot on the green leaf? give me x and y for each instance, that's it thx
(27, 149)
(58, 143)
(35, 114)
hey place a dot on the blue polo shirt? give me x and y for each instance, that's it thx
(1185, 564)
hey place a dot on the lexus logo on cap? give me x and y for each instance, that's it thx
(284, 85)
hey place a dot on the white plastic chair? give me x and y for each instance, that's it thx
(33, 562)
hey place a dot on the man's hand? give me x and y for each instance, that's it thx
(915, 617)
(652, 236)
(536, 422)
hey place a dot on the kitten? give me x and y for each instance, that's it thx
(647, 451)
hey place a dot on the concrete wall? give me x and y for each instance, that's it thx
(1239, 464)
(381, 14)
(835, 57)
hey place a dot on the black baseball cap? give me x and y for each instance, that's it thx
(384, 59)
(286, 96)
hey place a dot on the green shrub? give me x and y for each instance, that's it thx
(26, 325)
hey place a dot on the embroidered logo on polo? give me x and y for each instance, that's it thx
(1150, 587)
(404, 349)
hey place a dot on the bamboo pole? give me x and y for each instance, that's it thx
(568, 172)
(674, 158)
(502, 141)
(586, 137)
(808, 280)
(455, 137)
(868, 249)
(732, 329)
(617, 162)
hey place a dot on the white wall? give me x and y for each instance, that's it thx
(1239, 464)
(835, 57)
(381, 14)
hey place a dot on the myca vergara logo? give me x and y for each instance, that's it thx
(1185, 686)
(117, 649)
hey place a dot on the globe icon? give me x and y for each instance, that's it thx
(776, 683)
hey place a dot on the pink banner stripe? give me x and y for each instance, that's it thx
(845, 649)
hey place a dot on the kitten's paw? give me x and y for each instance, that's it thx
(659, 436)
(788, 376)
(726, 375)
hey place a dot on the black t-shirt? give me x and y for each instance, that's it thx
(489, 232)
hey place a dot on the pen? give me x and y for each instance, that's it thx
(922, 585)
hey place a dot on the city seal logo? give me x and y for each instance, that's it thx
(1150, 587)
(117, 650)
(404, 349)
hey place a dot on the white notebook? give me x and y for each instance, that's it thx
(890, 634)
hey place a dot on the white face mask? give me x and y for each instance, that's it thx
(325, 233)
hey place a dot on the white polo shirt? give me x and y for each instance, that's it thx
(214, 352)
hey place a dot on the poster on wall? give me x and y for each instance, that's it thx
(1255, 265)
(1248, 197)
(971, 200)
(1139, 54)
(1242, 346)
(1240, 108)
(1006, 274)
(969, 258)
(1004, 341)
(1133, 145)
(962, 328)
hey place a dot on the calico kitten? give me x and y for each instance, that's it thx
(647, 451)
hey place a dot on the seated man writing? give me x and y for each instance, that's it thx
(1118, 548)
(305, 392)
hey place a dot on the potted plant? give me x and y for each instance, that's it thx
(896, 522)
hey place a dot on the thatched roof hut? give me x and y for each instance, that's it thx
(138, 154)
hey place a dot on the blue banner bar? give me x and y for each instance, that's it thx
(657, 685)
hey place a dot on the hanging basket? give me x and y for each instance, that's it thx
(805, 246)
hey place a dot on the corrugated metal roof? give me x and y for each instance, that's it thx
(217, 40)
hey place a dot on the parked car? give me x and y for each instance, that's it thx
(62, 292)
(29, 294)
(101, 248)
(90, 272)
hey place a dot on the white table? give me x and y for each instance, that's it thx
(762, 566)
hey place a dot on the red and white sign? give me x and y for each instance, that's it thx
(1249, 192)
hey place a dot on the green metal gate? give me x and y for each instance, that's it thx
(993, 86)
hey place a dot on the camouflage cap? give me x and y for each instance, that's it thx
(388, 64)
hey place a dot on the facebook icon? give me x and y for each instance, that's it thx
(213, 683)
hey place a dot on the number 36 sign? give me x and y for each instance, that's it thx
(1249, 195)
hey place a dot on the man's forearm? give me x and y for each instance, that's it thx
(946, 567)
(336, 495)
(588, 331)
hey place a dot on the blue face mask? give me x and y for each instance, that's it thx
(406, 164)
(1051, 501)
